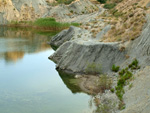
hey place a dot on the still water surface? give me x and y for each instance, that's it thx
(29, 82)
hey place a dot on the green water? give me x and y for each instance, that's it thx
(29, 82)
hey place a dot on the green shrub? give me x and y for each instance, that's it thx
(102, 1)
(134, 64)
(109, 6)
(122, 72)
(121, 82)
(119, 94)
(130, 66)
(125, 75)
(118, 88)
(115, 68)
(64, 1)
(112, 90)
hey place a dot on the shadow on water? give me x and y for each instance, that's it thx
(16, 42)
(88, 84)
(95, 87)
(78, 85)
(70, 82)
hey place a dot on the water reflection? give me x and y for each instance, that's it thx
(15, 43)
(102, 100)
(70, 82)
(81, 83)
(29, 82)
(13, 56)
(28, 88)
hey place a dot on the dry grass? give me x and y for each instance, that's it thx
(105, 83)
(127, 20)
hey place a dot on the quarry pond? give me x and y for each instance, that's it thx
(29, 82)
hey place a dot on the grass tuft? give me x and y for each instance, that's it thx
(115, 68)
(51, 24)
(93, 68)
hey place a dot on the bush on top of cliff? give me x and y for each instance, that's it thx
(64, 1)
(109, 4)
(110, 1)
(102, 1)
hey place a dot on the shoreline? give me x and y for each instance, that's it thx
(31, 27)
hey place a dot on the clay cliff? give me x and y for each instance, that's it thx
(112, 36)
(30, 10)
(21, 10)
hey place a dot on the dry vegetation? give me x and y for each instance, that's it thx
(3, 2)
(127, 20)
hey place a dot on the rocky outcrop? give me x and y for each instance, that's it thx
(63, 36)
(77, 54)
(70, 34)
